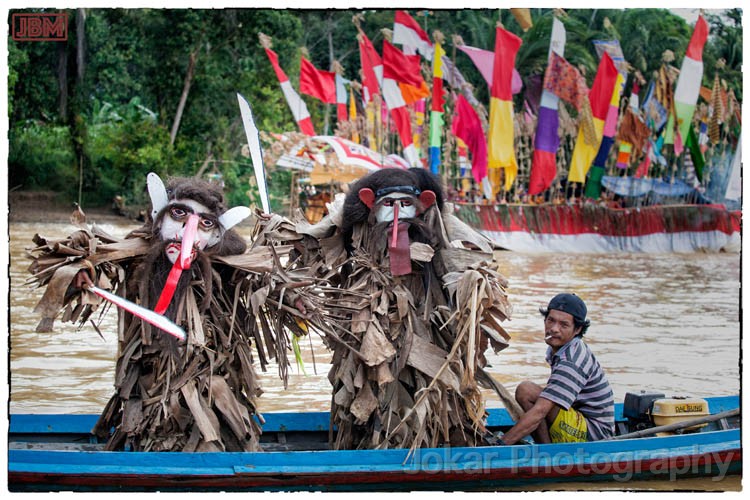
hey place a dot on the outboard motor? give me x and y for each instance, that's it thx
(637, 409)
(649, 409)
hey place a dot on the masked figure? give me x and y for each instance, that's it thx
(188, 264)
(415, 300)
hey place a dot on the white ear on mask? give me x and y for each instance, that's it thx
(234, 216)
(157, 192)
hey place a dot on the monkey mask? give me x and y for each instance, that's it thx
(394, 204)
(188, 226)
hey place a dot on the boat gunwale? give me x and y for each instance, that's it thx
(389, 459)
(712, 453)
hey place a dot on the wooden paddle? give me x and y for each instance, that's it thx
(514, 409)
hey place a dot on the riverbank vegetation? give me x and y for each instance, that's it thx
(139, 90)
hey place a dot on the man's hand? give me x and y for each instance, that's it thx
(300, 305)
(82, 279)
(529, 421)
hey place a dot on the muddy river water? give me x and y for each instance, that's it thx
(660, 322)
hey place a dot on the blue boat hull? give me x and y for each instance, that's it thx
(712, 454)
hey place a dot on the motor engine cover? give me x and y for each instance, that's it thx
(678, 409)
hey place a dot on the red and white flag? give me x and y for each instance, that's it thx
(295, 102)
(401, 118)
(369, 60)
(394, 101)
(688, 84)
(406, 31)
(341, 98)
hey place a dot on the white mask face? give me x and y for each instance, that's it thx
(173, 226)
(384, 207)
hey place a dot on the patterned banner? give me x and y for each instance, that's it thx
(565, 81)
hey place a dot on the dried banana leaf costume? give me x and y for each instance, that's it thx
(172, 395)
(416, 303)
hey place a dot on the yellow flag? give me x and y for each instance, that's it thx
(501, 153)
(584, 153)
(523, 16)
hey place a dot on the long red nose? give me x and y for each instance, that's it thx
(188, 240)
(394, 238)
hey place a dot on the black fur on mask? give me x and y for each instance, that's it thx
(355, 211)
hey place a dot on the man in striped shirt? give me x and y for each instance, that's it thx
(577, 403)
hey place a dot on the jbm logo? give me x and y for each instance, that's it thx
(40, 27)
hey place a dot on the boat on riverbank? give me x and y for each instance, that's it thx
(58, 453)
(593, 228)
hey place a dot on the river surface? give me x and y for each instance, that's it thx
(659, 322)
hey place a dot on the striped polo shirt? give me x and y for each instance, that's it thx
(577, 381)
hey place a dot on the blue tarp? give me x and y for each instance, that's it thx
(631, 186)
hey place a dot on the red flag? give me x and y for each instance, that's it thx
(317, 83)
(600, 94)
(506, 48)
(400, 67)
(369, 60)
(500, 147)
(467, 126)
(698, 40)
(438, 101)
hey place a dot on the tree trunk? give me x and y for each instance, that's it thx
(80, 44)
(62, 80)
(74, 119)
(184, 96)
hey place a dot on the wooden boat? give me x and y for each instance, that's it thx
(57, 453)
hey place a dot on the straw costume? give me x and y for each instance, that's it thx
(197, 394)
(411, 303)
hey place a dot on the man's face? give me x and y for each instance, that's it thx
(559, 328)
(173, 226)
(384, 209)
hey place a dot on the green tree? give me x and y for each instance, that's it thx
(725, 43)
(119, 113)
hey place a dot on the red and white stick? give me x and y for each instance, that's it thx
(147, 315)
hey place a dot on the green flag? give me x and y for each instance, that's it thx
(594, 183)
(695, 153)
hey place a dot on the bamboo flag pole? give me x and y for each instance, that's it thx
(385, 126)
